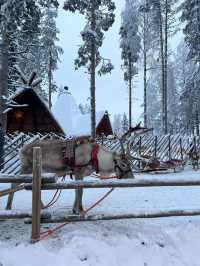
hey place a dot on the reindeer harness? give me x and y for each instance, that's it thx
(69, 154)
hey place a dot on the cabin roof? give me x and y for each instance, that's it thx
(36, 117)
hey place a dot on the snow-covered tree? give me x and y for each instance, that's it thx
(99, 18)
(43, 53)
(154, 97)
(148, 44)
(191, 18)
(125, 124)
(117, 124)
(18, 19)
(173, 99)
(164, 18)
(51, 51)
(84, 108)
(187, 89)
(130, 45)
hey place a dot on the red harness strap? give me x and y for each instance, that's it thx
(94, 157)
(69, 159)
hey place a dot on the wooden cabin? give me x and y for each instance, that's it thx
(104, 126)
(32, 118)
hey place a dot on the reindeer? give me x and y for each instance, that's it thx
(80, 156)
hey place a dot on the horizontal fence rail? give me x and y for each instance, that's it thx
(140, 215)
(120, 184)
(6, 215)
(18, 179)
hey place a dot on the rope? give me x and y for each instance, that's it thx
(99, 201)
(54, 199)
(49, 232)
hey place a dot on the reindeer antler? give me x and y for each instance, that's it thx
(121, 143)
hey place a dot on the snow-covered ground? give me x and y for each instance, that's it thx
(152, 242)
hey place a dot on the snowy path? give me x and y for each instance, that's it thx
(156, 242)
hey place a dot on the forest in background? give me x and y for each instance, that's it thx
(171, 79)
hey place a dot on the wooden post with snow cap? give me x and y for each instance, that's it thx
(36, 194)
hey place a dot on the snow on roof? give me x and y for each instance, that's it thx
(70, 118)
(65, 109)
(24, 90)
(82, 125)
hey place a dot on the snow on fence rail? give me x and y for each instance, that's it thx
(18, 179)
(8, 215)
(21, 180)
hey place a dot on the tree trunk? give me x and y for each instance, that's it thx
(3, 90)
(166, 69)
(197, 122)
(130, 90)
(93, 74)
(145, 72)
(162, 66)
(50, 80)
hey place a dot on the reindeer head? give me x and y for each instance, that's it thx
(122, 162)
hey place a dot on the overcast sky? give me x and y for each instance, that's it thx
(111, 91)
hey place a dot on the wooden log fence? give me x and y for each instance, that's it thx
(135, 183)
(101, 217)
(18, 179)
(6, 192)
(10, 215)
(39, 183)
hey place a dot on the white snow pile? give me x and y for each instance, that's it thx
(64, 110)
(70, 118)
(116, 244)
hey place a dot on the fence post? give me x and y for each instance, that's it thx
(195, 144)
(140, 146)
(181, 146)
(170, 156)
(155, 147)
(140, 151)
(36, 193)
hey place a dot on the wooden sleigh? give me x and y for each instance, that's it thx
(151, 164)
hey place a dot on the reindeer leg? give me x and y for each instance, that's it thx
(78, 206)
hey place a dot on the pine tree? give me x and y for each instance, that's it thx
(191, 18)
(117, 124)
(100, 17)
(49, 50)
(130, 45)
(125, 124)
(148, 37)
(163, 12)
(17, 18)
